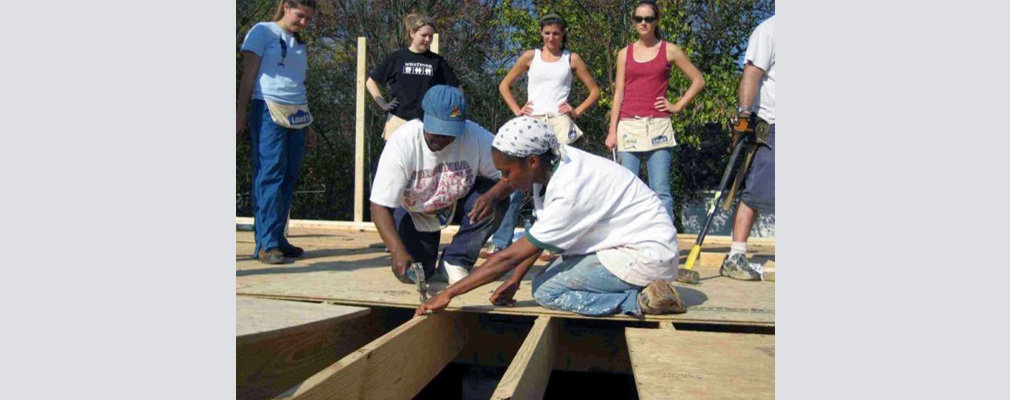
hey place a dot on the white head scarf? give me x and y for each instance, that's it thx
(526, 136)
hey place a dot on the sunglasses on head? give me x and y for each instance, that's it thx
(643, 19)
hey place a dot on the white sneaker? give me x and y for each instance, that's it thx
(454, 272)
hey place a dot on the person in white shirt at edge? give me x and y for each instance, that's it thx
(430, 168)
(758, 81)
(550, 70)
(619, 249)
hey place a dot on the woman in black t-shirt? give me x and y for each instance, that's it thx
(408, 73)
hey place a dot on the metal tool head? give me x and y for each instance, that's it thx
(422, 285)
(687, 276)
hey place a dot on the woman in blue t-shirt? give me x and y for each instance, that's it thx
(273, 75)
(409, 73)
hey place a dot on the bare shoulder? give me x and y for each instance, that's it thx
(527, 56)
(576, 60)
(673, 51)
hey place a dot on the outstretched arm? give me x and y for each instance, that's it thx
(492, 269)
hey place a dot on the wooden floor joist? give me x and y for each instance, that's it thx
(395, 366)
(527, 375)
(701, 365)
(280, 343)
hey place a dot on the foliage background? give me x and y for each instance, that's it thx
(481, 41)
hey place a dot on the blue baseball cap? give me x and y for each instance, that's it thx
(444, 111)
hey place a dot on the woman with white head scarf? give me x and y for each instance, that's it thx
(591, 211)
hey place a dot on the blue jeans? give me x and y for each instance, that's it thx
(582, 285)
(503, 236)
(466, 244)
(277, 157)
(658, 163)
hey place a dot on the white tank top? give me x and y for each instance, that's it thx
(549, 83)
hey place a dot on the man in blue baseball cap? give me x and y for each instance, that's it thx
(430, 169)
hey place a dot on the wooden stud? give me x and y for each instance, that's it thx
(359, 136)
(434, 44)
(395, 366)
(527, 375)
(280, 343)
(666, 325)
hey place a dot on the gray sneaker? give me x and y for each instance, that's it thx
(737, 267)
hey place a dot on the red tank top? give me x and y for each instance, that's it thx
(643, 83)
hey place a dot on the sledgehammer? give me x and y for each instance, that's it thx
(688, 274)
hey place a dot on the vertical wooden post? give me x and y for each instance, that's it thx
(434, 44)
(359, 137)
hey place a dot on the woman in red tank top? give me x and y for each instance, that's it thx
(640, 125)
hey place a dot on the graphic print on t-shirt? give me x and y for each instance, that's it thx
(413, 68)
(437, 188)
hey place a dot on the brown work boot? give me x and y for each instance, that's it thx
(272, 256)
(660, 297)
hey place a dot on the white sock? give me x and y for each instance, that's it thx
(738, 248)
(454, 272)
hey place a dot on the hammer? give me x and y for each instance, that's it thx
(422, 286)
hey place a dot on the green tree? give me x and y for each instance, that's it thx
(482, 40)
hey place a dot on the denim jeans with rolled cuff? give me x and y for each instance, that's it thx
(582, 285)
(465, 246)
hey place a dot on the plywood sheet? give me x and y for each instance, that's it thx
(701, 365)
(350, 267)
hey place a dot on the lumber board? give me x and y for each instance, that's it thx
(342, 267)
(527, 375)
(395, 366)
(434, 44)
(769, 271)
(686, 240)
(280, 343)
(359, 134)
(701, 365)
(256, 318)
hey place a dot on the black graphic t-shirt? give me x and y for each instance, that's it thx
(409, 76)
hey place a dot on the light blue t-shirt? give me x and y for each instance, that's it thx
(283, 61)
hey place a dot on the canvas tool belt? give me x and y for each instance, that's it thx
(290, 116)
(564, 128)
(645, 134)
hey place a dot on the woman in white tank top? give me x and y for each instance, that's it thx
(550, 70)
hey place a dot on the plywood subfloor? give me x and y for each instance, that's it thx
(255, 316)
(672, 364)
(350, 267)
